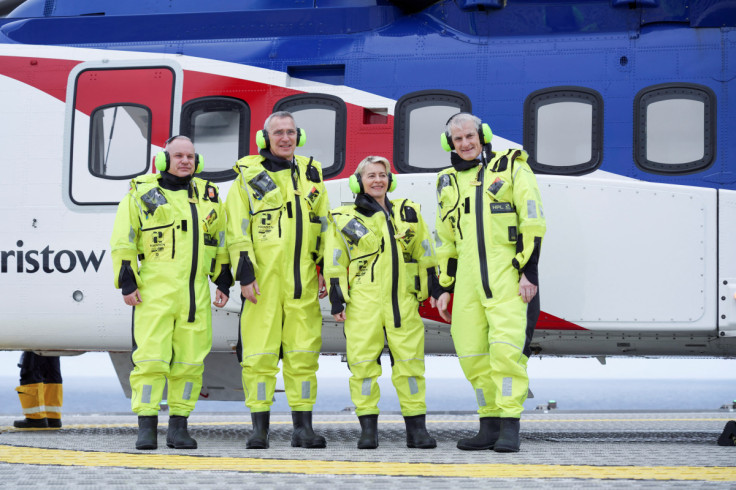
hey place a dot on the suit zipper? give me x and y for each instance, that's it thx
(297, 241)
(394, 272)
(480, 232)
(195, 254)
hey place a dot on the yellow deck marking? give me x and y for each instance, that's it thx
(690, 419)
(60, 457)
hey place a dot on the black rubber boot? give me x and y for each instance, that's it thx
(416, 433)
(54, 423)
(485, 438)
(177, 436)
(508, 439)
(32, 423)
(369, 432)
(728, 437)
(147, 432)
(303, 435)
(259, 437)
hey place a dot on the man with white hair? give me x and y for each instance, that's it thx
(491, 224)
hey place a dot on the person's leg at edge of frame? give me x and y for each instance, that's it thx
(32, 391)
(53, 392)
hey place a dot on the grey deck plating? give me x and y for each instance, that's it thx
(561, 448)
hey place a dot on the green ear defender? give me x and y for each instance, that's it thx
(263, 142)
(356, 183)
(162, 161)
(262, 139)
(485, 134)
(446, 142)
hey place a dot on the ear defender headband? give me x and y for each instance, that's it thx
(264, 143)
(162, 160)
(356, 183)
(485, 134)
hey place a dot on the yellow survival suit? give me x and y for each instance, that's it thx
(277, 212)
(178, 233)
(379, 265)
(490, 224)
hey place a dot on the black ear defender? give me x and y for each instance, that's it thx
(484, 134)
(162, 161)
(264, 143)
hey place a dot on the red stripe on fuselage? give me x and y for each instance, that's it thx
(45, 74)
(365, 135)
(545, 322)
(551, 322)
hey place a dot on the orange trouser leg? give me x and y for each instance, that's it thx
(31, 400)
(53, 398)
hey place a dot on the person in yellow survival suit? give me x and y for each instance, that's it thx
(381, 263)
(277, 216)
(175, 224)
(490, 223)
(40, 391)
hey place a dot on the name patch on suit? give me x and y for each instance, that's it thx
(501, 207)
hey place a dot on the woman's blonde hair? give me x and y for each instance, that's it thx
(372, 159)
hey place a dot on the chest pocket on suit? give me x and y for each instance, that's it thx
(363, 244)
(360, 239)
(266, 194)
(406, 229)
(407, 238)
(447, 195)
(267, 205)
(316, 226)
(157, 229)
(504, 221)
(212, 228)
(450, 206)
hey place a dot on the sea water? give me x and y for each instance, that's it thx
(104, 395)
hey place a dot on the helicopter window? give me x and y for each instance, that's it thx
(219, 127)
(113, 117)
(323, 119)
(419, 120)
(674, 128)
(119, 141)
(563, 130)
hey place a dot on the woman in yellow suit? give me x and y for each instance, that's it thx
(379, 260)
